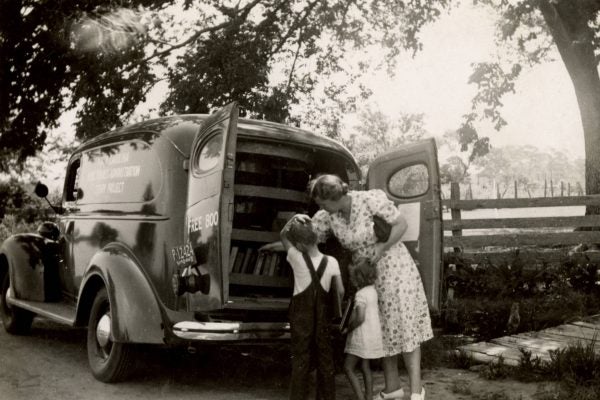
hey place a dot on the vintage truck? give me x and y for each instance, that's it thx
(156, 237)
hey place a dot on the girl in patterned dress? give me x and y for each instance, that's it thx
(403, 308)
(364, 330)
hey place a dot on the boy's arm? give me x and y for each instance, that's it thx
(282, 245)
(283, 235)
(339, 287)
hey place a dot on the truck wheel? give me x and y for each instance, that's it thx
(15, 320)
(110, 361)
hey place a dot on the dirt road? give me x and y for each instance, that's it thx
(51, 364)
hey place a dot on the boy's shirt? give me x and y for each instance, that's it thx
(302, 278)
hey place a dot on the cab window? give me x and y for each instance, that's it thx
(72, 182)
(411, 181)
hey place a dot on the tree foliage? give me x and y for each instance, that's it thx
(376, 133)
(103, 57)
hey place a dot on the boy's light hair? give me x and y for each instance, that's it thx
(302, 232)
(363, 274)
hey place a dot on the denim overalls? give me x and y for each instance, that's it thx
(309, 325)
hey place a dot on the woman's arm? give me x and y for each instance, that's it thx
(399, 226)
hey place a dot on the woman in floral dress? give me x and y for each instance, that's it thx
(403, 308)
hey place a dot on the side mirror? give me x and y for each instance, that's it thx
(41, 190)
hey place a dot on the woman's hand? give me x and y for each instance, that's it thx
(380, 249)
(303, 218)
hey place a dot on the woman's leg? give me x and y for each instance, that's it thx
(390, 374)
(412, 362)
(365, 366)
(349, 367)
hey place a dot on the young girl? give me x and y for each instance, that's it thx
(364, 338)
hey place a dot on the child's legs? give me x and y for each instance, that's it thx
(365, 366)
(412, 362)
(325, 365)
(391, 374)
(349, 366)
(301, 348)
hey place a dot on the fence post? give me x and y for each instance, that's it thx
(516, 196)
(562, 188)
(545, 187)
(569, 189)
(455, 212)
(551, 188)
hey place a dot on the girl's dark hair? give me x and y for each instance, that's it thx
(327, 187)
(362, 274)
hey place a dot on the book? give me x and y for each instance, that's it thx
(260, 260)
(346, 315)
(246, 263)
(273, 264)
(239, 259)
(232, 255)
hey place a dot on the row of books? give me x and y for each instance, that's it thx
(251, 261)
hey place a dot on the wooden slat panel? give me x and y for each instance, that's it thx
(254, 236)
(526, 255)
(260, 280)
(577, 332)
(271, 193)
(513, 240)
(592, 200)
(267, 149)
(499, 223)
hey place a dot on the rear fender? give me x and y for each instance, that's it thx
(33, 267)
(136, 312)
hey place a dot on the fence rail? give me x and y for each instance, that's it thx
(534, 239)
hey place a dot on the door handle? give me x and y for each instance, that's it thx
(69, 230)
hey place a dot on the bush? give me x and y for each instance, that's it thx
(543, 297)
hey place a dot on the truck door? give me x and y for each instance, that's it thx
(209, 212)
(409, 176)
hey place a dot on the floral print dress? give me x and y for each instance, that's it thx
(403, 309)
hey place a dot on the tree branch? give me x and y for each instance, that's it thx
(242, 15)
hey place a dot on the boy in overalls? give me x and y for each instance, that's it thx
(309, 320)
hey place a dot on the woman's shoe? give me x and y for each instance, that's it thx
(418, 396)
(396, 394)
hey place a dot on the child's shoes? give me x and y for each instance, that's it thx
(396, 394)
(418, 396)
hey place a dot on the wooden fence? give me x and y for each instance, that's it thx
(531, 239)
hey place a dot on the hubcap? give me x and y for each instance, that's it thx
(103, 330)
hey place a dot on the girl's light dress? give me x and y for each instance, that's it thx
(403, 308)
(365, 340)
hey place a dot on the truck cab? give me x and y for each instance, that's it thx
(157, 236)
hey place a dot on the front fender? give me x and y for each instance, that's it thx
(136, 312)
(33, 264)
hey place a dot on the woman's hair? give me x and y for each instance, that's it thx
(362, 274)
(302, 232)
(327, 187)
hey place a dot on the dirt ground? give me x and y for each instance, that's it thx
(51, 363)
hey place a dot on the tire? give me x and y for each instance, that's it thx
(110, 361)
(15, 320)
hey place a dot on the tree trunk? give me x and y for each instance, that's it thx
(570, 30)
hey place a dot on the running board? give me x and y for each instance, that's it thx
(59, 312)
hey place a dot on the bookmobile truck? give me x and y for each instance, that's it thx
(156, 236)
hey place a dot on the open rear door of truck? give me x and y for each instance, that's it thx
(210, 205)
(409, 175)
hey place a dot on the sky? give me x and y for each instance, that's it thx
(543, 112)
